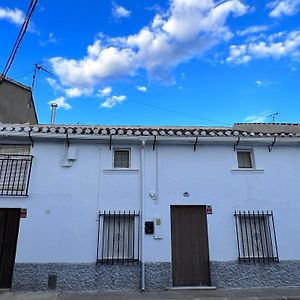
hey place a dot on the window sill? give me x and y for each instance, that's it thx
(247, 171)
(14, 196)
(121, 171)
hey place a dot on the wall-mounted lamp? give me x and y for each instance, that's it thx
(153, 196)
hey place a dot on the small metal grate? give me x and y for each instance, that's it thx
(15, 172)
(256, 236)
(118, 237)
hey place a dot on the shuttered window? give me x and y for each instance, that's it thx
(244, 158)
(122, 158)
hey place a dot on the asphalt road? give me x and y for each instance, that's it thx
(219, 294)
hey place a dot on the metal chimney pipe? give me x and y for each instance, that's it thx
(53, 111)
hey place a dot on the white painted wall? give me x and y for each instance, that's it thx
(63, 202)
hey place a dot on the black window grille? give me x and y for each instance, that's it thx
(118, 237)
(15, 172)
(256, 236)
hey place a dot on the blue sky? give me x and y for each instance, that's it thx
(178, 62)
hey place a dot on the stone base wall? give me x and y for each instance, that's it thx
(89, 277)
(76, 277)
(249, 275)
(158, 275)
(84, 277)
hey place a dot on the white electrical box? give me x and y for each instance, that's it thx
(157, 228)
(72, 153)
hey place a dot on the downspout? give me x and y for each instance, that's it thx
(142, 174)
(156, 174)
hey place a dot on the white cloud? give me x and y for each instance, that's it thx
(281, 8)
(104, 92)
(259, 118)
(50, 40)
(78, 92)
(110, 63)
(141, 89)
(15, 16)
(275, 46)
(121, 12)
(238, 54)
(259, 82)
(253, 29)
(54, 84)
(112, 101)
(61, 103)
(69, 92)
(185, 31)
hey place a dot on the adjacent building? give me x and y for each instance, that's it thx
(16, 103)
(131, 207)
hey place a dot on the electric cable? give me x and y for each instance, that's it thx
(178, 112)
(19, 38)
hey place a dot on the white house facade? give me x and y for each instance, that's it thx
(103, 207)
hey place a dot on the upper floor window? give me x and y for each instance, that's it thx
(245, 159)
(121, 158)
(15, 166)
(256, 238)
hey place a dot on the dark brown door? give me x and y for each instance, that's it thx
(190, 259)
(9, 228)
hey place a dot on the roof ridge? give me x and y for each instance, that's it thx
(17, 83)
(265, 123)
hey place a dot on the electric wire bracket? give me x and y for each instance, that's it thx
(196, 143)
(31, 139)
(236, 144)
(154, 142)
(68, 140)
(110, 141)
(270, 147)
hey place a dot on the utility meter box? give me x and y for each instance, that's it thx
(157, 228)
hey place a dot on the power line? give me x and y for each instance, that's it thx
(178, 112)
(19, 38)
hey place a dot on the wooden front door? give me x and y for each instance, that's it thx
(9, 229)
(190, 259)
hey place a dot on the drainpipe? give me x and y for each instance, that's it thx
(156, 174)
(142, 174)
(53, 111)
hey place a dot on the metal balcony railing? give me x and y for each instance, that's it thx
(15, 172)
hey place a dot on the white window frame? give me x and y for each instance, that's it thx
(252, 160)
(129, 158)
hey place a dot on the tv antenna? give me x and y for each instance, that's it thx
(273, 116)
(38, 68)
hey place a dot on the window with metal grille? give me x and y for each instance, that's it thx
(15, 167)
(245, 159)
(256, 236)
(122, 158)
(118, 237)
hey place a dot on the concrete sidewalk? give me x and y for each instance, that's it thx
(219, 294)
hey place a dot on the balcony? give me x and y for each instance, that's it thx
(15, 174)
